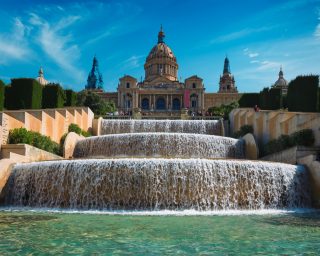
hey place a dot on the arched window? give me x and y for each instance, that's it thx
(128, 85)
(194, 100)
(176, 104)
(145, 104)
(161, 104)
(194, 86)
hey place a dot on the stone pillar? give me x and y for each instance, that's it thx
(167, 101)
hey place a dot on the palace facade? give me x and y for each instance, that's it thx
(161, 91)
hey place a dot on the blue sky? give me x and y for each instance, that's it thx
(63, 37)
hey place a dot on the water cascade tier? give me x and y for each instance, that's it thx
(140, 184)
(213, 127)
(165, 145)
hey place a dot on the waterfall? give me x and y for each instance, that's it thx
(158, 164)
(167, 145)
(158, 184)
(212, 127)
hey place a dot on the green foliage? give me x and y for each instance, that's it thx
(300, 138)
(75, 128)
(8, 98)
(24, 93)
(22, 135)
(243, 131)
(53, 96)
(62, 140)
(270, 99)
(2, 86)
(71, 98)
(303, 94)
(223, 110)
(95, 103)
(249, 100)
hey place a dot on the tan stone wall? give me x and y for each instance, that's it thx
(270, 125)
(49, 122)
(217, 99)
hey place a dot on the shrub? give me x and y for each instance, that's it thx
(243, 131)
(300, 138)
(75, 128)
(2, 88)
(22, 135)
(24, 93)
(304, 138)
(53, 96)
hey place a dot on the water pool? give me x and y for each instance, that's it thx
(43, 233)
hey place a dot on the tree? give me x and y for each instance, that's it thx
(95, 103)
(223, 110)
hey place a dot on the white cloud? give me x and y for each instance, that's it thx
(254, 61)
(268, 65)
(254, 54)
(317, 31)
(239, 34)
(249, 53)
(59, 45)
(13, 45)
(132, 62)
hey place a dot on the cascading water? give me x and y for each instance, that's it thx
(213, 127)
(153, 174)
(167, 145)
(158, 184)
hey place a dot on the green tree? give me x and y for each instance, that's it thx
(95, 103)
(223, 110)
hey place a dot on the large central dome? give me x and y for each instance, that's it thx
(161, 61)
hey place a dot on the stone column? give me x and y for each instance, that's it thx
(167, 101)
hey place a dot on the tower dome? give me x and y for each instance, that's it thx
(161, 61)
(281, 83)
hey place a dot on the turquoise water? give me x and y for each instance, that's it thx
(43, 233)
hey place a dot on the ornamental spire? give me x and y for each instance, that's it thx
(281, 72)
(161, 36)
(226, 67)
(94, 80)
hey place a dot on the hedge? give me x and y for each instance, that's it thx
(249, 100)
(270, 99)
(53, 96)
(300, 138)
(2, 89)
(71, 98)
(303, 94)
(24, 93)
(22, 135)
(75, 128)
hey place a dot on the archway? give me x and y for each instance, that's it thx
(145, 104)
(176, 104)
(161, 104)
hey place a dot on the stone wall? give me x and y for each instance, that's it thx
(291, 155)
(217, 99)
(32, 153)
(49, 122)
(270, 125)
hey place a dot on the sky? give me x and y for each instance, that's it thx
(63, 36)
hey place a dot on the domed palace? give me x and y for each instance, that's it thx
(161, 92)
